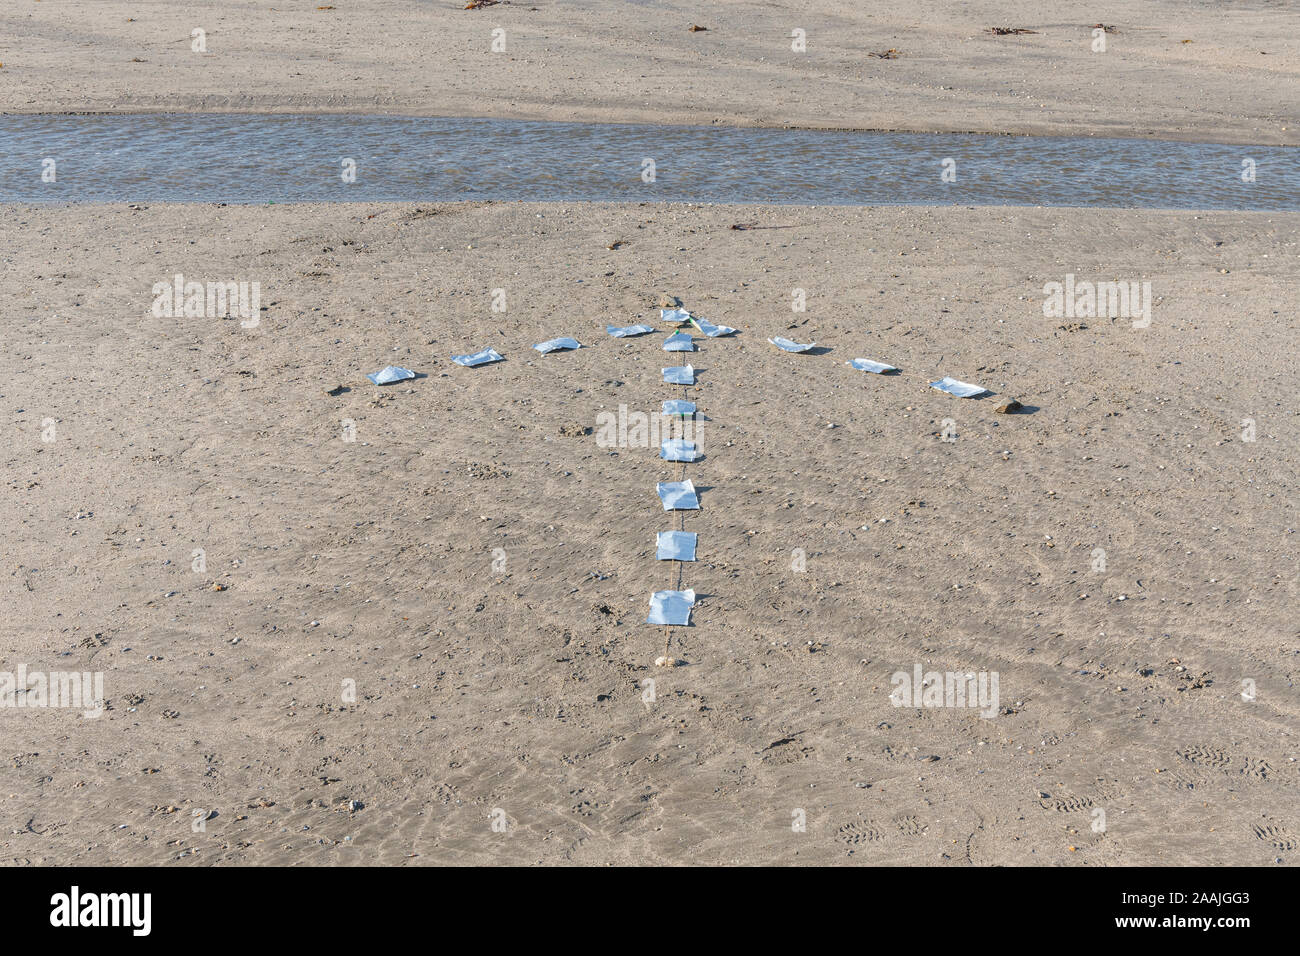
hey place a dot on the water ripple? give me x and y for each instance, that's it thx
(253, 158)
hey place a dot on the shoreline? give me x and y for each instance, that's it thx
(413, 114)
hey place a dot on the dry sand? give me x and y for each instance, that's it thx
(520, 689)
(1201, 71)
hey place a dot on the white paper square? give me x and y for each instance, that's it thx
(671, 607)
(390, 374)
(678, 449)
(866, 365)
(478, 358)
(678, 496)
(960, 389)
(556, 345)
(786, 345)
(628, 330)
(675, 545)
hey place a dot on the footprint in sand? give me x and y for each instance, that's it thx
(1280, 838)
(1066, 804)
(786, 752)
(859, 832)
(1258, 768)
(1211, 757)
(911, 826)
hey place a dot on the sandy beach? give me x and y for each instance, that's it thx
(340, 624)
(1204, 71)
(479, 566)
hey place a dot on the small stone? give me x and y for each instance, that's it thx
(1010, 408)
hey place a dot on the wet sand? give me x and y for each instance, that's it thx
(1206, 71)
(511, 680)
